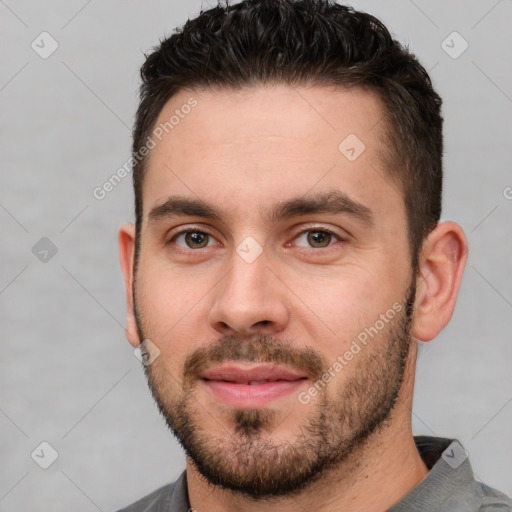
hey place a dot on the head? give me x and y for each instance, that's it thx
(260, 42)
(288, 176)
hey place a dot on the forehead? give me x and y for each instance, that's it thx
(247, 147)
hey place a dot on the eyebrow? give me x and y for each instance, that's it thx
(184, 206)
(333, 202)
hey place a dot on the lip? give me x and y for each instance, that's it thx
(251, 385)
(246, 372)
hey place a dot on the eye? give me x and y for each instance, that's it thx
(316, 238)
(193, 239)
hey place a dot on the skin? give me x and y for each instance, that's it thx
(244, 152)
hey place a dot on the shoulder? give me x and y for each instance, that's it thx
(493, 500)
(156, 501)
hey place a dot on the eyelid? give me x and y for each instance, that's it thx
(324, 229)
(188, 228)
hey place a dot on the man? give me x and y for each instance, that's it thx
(286, 256)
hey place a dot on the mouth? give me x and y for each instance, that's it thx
(251, 385)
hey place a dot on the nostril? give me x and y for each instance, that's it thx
(263, 322)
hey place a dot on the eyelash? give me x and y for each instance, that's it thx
(296, 236)
(318, 229)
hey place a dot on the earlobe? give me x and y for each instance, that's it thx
(126, 239)
(441, 265)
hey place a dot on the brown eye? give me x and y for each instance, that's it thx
(193, 240)
(316, 238)
(319, 238)
(196, 240)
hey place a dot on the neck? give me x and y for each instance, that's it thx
(373, 478)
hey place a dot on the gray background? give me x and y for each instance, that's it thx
(68, 376)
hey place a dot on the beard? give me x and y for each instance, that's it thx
(246, 457)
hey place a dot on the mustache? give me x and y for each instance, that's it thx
(263, 349)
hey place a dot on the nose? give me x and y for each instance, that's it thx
(250, 300)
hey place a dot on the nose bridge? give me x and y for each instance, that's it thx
(248, 299)
(247, 280)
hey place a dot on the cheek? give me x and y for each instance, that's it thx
(347, 305)
(170, 308)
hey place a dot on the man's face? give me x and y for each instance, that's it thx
(279, 308)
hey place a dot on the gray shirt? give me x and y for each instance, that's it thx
(450, 486)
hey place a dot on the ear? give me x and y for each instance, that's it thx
(441, 265)
(126, 238)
